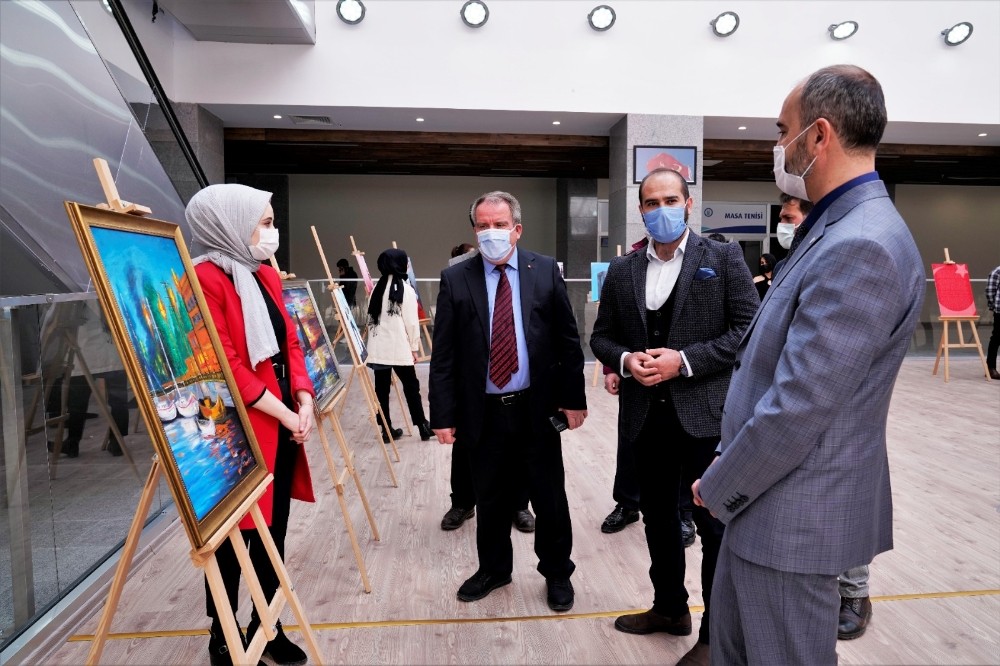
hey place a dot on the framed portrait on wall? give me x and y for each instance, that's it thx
(175, 363)
(682, 159)
(321, 362)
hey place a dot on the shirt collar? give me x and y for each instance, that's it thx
(512, 262)
(833, 195)
(679, 252)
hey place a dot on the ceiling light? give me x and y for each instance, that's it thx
(556, 122)
(725, 23)
(351, 11)
(741, 127)
(420, 120)
(957, 33)
(843, 30)
(982, 134)
(277, 117)
(601, 18)
(475, 13)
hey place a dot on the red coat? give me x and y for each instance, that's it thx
(227, 314)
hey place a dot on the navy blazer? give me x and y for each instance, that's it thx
(460, 360)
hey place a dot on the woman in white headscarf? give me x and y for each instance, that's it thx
(232, 228)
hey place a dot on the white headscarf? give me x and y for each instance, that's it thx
(222, 220)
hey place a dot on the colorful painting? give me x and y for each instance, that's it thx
(682, 159)
(411, 277)
(954, 290)
(365, 275)
(321, 363)
(347, 321)
(176, 365)
(598, 271)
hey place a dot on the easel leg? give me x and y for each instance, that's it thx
(597, 372)
(124, 564)
(227, 618)
(349, 463)
(944, 342)
(286, 585)
(347, 387)
(979, 348)
(402, 406)
(339, 485)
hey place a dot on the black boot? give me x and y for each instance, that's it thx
(396, 433)
(218, 651)
(425, 431)
(281, 650)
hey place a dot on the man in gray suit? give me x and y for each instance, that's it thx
(802, 482)
(670, 318)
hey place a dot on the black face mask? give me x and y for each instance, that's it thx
(765, 268)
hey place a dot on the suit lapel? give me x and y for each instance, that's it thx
(475, 277)
(526, 278)
(639, 266)
(693, 253)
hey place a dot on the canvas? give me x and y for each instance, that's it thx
(598, 271)
(321, 362)
(175, 363)
(411, 277)
(363, 269)
(347, 321)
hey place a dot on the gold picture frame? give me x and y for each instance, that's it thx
(176, 365)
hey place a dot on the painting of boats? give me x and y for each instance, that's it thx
(321, 364)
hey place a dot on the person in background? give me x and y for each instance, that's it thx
(716, 236)
(394, 341)
(763, 279)
(802, 479)
(232, 229)
(993, 302)
(461, 252)
(350, 284)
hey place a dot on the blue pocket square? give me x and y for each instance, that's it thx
(704, 273)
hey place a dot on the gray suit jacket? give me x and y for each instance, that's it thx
(803, 480)
(714, 300)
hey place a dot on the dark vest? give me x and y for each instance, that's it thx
(657, 332)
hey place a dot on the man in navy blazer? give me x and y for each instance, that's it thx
(506, 417)
(671, 315)
(802, 482)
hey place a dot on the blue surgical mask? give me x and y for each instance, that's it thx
(494, 244)
(666, 224)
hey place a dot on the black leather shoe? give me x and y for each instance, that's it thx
(994, 374)
(699, 655)
(480, 585)
(70, 448)
(560, 595)
(396, 434)
(855, 614)
(687, 532)
(455, 517)
(425, 431)
(524, 521)
(618, 519)
(652, 622)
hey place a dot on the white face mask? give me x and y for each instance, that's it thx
(790, 184)
(266, 246)
(494, 244)
(786, 232)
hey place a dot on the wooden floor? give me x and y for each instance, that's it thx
(937, 594)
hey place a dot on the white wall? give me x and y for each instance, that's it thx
(425, 215)
(541, 55)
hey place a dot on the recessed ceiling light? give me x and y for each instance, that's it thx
(556, 122)
(277, 117)
(741, 127)
(601, 18)
(725, 23)
(420, 120)
(475, 13)
(982, 134)
(843, 30)
(351, 11)
(957, 33)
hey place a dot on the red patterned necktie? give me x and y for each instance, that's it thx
(503, 341)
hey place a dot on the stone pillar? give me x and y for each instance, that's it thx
(624, 221)
(204, 132)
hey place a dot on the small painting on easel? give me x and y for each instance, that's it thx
(347, 321)
(954, 290)
(321, 363)
(175, 362)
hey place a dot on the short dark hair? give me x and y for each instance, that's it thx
(716, 236)
(804, 206)
(851, 99)
(342, 263)
(460, 249)
(663, 170)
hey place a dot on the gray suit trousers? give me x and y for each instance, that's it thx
(768, 617)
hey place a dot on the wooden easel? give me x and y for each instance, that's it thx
(204, 557)
(330, 415)
(374, 409)
(597, 364)
(944, 346)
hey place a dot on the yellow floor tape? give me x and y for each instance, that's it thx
(317, 626)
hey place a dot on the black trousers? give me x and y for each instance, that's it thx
(510, 447)
(78, 401)
(463, 491)
(411, 390)
(229, 566)
(667, 457)
(994, 344)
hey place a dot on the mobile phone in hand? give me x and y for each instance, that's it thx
(559, 422)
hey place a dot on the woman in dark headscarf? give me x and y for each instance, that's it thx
(393, 340)
(232, 227)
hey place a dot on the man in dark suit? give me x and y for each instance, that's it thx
(670, 317)
(802, 482)
(507, 361)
